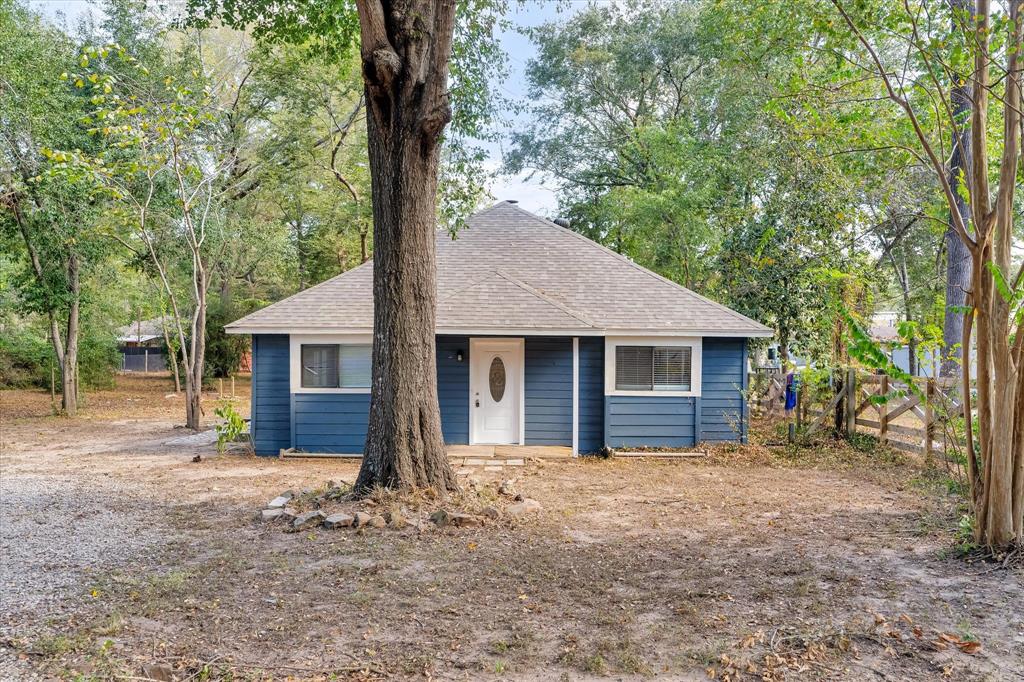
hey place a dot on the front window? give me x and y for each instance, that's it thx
(653, 368)
(336, 366)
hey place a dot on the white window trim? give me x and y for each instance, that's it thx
(696, 353)
(295, 343)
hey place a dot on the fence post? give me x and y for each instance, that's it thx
(883, 410)
(851, 401)
(145, 361)
(799, 406)
(929, 421)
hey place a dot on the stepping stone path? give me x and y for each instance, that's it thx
(464, 467)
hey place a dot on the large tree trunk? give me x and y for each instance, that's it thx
(958, 257)
(406, 46)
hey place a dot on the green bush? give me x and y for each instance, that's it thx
(25, 359)
(224, 352)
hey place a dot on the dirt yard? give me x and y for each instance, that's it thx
(124, 559)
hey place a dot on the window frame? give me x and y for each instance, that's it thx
(694, 343)
(297, 341)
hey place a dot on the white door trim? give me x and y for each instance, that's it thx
(517, 345)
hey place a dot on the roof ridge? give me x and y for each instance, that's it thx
(637, 266)
(368, 261)
(469, 286)
(544, 297)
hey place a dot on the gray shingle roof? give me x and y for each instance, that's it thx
(512, 270)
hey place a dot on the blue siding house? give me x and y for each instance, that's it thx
(544, 338)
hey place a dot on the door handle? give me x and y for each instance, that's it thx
(478, 402)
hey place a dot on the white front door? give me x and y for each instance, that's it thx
(495, 390)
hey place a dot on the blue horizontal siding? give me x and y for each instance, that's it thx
(331, 422)
(453, 388)
(270, 412)
(591, 394)
(649, 421)
(337, 422)
(548, 398)
(723, 376)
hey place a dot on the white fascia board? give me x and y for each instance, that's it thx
(716, 333)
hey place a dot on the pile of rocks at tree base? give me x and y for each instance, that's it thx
(283, 510)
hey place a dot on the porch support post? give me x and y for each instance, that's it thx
(575, 396)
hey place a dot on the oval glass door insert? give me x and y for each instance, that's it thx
(496, 379)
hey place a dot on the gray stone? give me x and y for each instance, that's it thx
(361, 519)
(338, 520)
(308, 520)
(281, 500)
(527, 506)
(158, 672)
(490, 513)
(271, 514)
(465, 520)
(441, 517)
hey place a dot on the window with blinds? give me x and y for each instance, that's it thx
(653, 368)
(336, 366)
(356, 362)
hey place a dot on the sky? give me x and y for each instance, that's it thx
(536, 194)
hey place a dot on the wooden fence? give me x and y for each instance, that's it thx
(917, 420)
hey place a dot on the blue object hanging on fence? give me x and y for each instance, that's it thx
(791, 387)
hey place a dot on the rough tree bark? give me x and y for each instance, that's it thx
(406, 47)
(958, 257)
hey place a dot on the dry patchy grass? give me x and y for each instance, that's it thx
(756, 563)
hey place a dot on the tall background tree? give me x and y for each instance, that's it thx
(958, 256)
(55, 221)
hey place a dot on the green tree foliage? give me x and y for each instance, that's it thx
(53, 225)
(664, 133)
